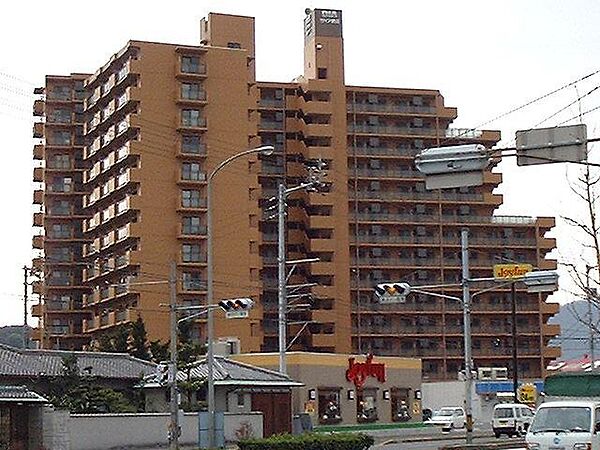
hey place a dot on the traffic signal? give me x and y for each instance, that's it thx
(236, 304)
(392, 292)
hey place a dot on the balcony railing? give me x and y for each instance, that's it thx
(393, 129)
(390, 108)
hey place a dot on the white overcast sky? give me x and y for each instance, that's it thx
(485, 58)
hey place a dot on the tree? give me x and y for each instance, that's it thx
(139, 340)
(159, 352)
(585, 264)
(116, 341)
(81, 394)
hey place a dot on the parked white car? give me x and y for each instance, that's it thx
(512, 419)
(448, 417)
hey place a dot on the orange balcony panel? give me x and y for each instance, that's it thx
(38, 197)
(38, 130)
(549, 308)
(322, 268)
(38, 242)
(492, 178)
(546, 223)
(320, 199)
(38, 287)
(547, 264)
(494, 199)
(323, 340)
(38, 219)
(38, 108)
(38, 174)
(38, 151)
(323, 315)
(322, 245)
(325, 291)
(36, 310)
(319, 129)
(551, 329)
(37, 263)
(490, 135)
(547, 243)
(317, 107)
(552, 352)
(447, 112)
(318, 152)
(36, 334)
(321, 222)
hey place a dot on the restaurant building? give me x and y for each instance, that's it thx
(344, 389)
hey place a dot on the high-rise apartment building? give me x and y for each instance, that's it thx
(126, 153)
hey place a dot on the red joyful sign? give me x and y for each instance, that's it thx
(357, 373)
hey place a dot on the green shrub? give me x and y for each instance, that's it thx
(312, 441)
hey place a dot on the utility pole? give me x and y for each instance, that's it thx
(515, 362)
(464, 241)
(174, 401)
(281, 278)
(313, 184)
(25, 300)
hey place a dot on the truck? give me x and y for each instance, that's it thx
(569, 417)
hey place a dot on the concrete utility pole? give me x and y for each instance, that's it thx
(464, 242)
(313, 184)
(590, 317)
(174, 401)
(515, 361)
(25, 302)
(281, 278)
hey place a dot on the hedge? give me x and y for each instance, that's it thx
(310, 441)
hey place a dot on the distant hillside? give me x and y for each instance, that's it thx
(574, 337)
(12, 335)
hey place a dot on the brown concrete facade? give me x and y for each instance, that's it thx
(148, 127)
(325, 378)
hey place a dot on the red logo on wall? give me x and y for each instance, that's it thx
(357, 373)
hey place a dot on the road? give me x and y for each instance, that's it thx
(433, 445)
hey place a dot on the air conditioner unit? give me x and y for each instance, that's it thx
(485, 373)
(500, 373)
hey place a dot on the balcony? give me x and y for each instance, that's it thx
(396, 130)
(36, 310)
(432, 261)
(38, 174)
(38, 152)
(387, 108)
(38, 242)
(38, 108)
(550, 329)
(38, 130)
(38, 197)
(551, 352)
(38, 219)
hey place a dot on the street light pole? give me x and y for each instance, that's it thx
(174, 401)
(464, 242)
(266, 150)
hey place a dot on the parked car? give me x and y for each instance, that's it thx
(448, 417)
(512, 419)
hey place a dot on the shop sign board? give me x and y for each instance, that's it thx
(358, 373)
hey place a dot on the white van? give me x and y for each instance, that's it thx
(512, 419)
(573, 425)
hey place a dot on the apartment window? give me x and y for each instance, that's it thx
(190, 253)
(60, 230)
(122, 206)
(60, 208)
(60, 162)
(121, 100)
(191, 171)
(322, 73)
(192, 144)
(61, 138)
(190, 64)
(123, 125)
(191, 118)
(123, 72)
(190, 91)
(234, 45)
(190, 199)
(192, 281)
(122, 233)
(122, 178)
(60, 93)
(191, 225)
(60, 116)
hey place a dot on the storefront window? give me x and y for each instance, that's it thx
(366, 405)
(400, 405)
(329, 406)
